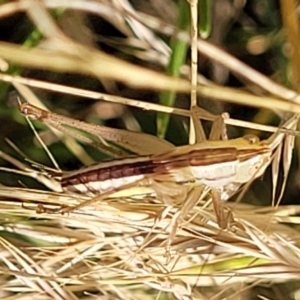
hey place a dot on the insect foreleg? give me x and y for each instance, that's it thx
(218, 130)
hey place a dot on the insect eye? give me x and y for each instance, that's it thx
(251, 138)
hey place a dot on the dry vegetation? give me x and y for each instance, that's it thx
(111, 60)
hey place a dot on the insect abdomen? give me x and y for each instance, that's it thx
(107, 176)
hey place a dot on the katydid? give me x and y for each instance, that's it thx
(168, 171)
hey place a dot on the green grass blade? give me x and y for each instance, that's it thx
(177, 59)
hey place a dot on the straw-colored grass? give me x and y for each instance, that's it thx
(137, 247)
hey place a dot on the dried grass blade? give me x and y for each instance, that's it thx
(270, 246)
(30, 266)
(275, 171)
(287, 142)
(288, 147)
